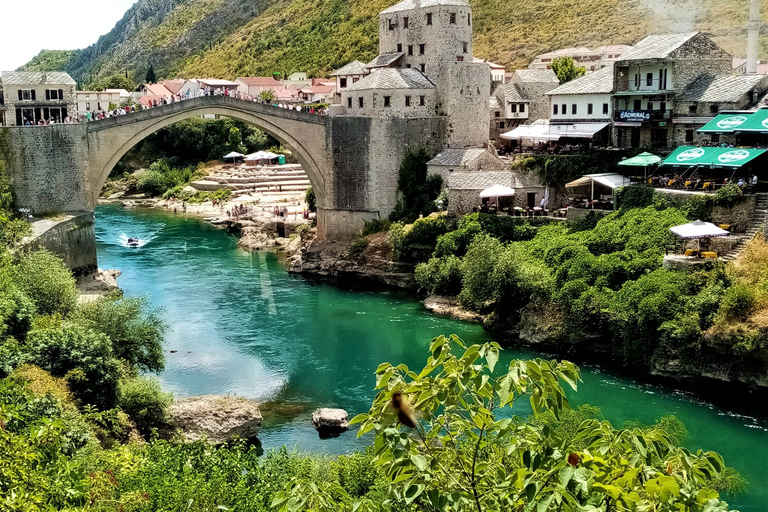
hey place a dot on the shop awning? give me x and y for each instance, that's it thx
(641, 160)
(698, 229)
(535, 132)
(726, 123)
(580, 130)
(756, 123)
(687, 156)
(610, 180)
(497, 191)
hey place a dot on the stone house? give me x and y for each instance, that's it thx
(464, 189)
(95, 101)
(522, 100)
(649, 77)
(451, 160)
(590, 60)
(255, 85)
(706, 97)
(348, 75)
(391, 93)
(32, 96)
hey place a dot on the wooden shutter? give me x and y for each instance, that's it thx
(34, 95)
(47, 94)
(61, 94)
(19, 120)
(20, 95)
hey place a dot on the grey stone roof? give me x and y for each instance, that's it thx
(598, 82)
(658, 47)
(513, 93)
(457, 157)
(407, 5)
(353, 68)
(729, 88)
(495, 103)
(384, 60)
(480, 180)
(537, 75)
(393, 78)
(37, 78)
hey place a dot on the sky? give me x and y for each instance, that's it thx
(53, 25)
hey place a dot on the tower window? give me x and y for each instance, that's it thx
(422, 48)
(465, 47)
(405, 21)
(360, 102)
(423, 67)
(399, 47)
(349, 102)
(469, 20)
(387, 101)
(422, 100)
(407, 101)
(429, 18)
(453, 18)
(410, 49)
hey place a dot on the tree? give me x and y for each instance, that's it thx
(151, 76)
(566, 70)
(458, 447)
(235, 140)
(311, 200)
(267, 95)
(115, 82)
(42, 277)
(417, 190)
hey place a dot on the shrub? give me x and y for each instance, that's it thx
(426, 231)
(311, 200)
(728, 196)
(699, 207)
(136, 331)
(81, 355)
(376, 226)
(738, 302)
(477, 268)
(456, 243)
(396, 235)
(441, 276)
(143, 400)
(635, 196)
(43, 278)
(358, 246)
(16, 314)
(418, 191)
(42, 383)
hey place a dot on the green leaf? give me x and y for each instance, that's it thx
(492, 357)
(420, 462)
(412, 492)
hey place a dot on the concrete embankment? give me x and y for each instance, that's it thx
(70, 236)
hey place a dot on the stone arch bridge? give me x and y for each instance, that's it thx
(351, 161)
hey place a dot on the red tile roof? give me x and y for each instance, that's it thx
(259, 81)
(174, 86)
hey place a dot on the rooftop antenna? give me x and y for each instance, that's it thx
(754, 35)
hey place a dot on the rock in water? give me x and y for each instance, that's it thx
(216, 418)
(330, 421)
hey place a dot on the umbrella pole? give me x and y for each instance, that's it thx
(592, 201)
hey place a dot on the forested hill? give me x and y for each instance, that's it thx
(229, 38)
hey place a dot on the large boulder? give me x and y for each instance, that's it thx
(216, 418)
(330, 421)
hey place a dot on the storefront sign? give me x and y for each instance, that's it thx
(635, 115)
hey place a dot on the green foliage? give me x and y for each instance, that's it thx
(738, 302)
(557, 170)
(396, 235)
(49, 60)
(161, 177)
(41, 276)
(311, 200)
(236, 140)
(699, 207)
(357, 247)
(267, 96)
(440, 276)
(117, 81)
(566, 70)
(418, 191)
(143, 400)
(376, 226)
(728, 195)
(136, 331)
(150, 77)
(83, 356)
(638, 196)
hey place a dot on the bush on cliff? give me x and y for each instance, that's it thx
(144, 401)
(42, 277)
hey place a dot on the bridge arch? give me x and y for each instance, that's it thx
(110, 139)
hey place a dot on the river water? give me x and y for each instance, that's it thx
(239, 324)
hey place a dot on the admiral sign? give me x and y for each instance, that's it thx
(635, 115)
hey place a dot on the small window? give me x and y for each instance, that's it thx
(513, 108)
(716, 138)
(410, 49)
(399, 47)
(355, 79)
(392, 24)
(574, 109)
(638, 105)
(501, 124)
(453, 18)
(422, 100)
(497, 114)
(465, 47)
(342, 82)
(713, 109)
(87, 105)
(407, 101)
(688, 135)
(522, 107)
(423, 67)
(605, 109)
(564, 108)
(589, 109)
(469, 19)
(387, 101)
(405, 22)
(422, 48)
(554, 110)
(360, 102)
(349, 102)
(649, 79)
(637, 80)
(460, 58)
(429, 18)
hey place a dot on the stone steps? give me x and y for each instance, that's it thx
(756, 224)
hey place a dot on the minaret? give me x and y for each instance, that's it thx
(754, 35)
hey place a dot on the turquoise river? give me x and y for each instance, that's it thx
(240, 324)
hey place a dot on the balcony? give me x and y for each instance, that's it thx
(517, 115)
(641, 116)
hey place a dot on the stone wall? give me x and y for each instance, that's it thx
(72, 239)
(464, 93)
(48, 167)
(373, 103)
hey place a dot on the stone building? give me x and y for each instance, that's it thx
(453, 160)
(649, 77)
(590, 60)
(31, 97)
(432, 38)
(255, 85)
(348, 75)
(522, 100)
(95, 101)
(705, 98)
(464, 189)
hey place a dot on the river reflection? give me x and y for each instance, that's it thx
(241, 325)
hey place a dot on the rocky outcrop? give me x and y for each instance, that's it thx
(99, 284)
(330, 421)
(449, 306)
(217, 419)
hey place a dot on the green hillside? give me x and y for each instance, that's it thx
(49, 60)
(229, 38)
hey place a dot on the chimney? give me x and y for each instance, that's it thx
(754, 34)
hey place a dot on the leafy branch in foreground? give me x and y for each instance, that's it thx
(470, 452)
